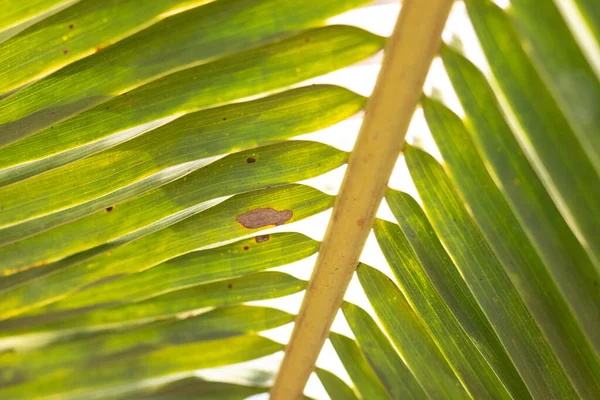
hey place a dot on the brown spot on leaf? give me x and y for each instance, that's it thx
(109, 209)
(251, 160)
(71, 26)
(262, 238)
(65, 51)
(260, 217)
(230, 286)
(361, 222)
(246, 247)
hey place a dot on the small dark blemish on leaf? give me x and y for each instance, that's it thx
(230, 286)
(71, 26)
(251, 160)
(224, 119)
(109, 209)
(65, 51)
(262, 238)
(361, 222)
(246, 247)
(261, 217)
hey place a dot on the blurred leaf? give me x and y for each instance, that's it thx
(191, 388)
(591, 15)
(19, 11)
(183, 358)
(335, 387)
(109, 346)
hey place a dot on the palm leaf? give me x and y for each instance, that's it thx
(146, 151)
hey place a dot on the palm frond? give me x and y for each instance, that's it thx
(147, 149)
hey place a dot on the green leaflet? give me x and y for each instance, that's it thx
(74, 33)
(513, 249)
(239, 258)
(193, 388)
(335, 387)
(564, 68)
(80, 353)
(215, 225)
(387, 364)
(546, 136)
(486, 278)
(357, 366)
(183, 194)
(410, 337)
(16, 279)
(192, 37)
(267, 68)
(191, 138)
(563, 255)
(274, 165)
(127, 370)
(258, 286)
(15, 12)
(200, 267)
(436, 292)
